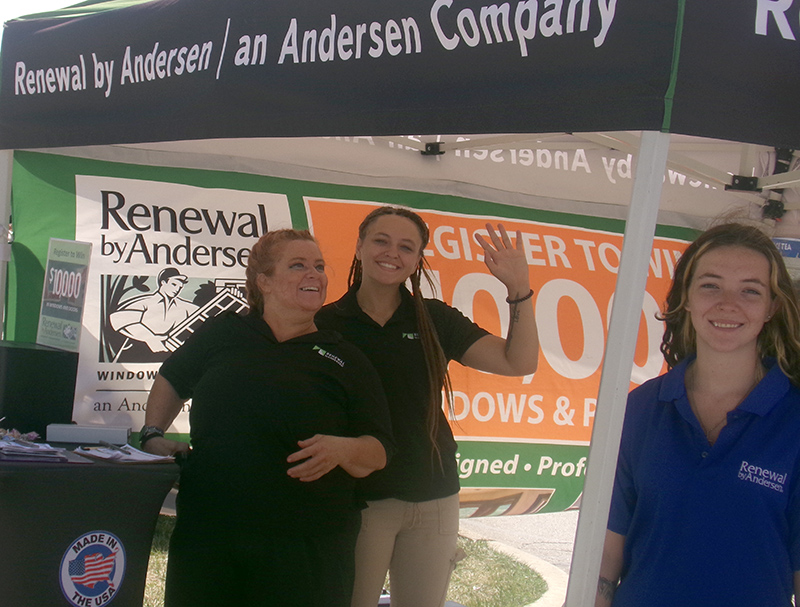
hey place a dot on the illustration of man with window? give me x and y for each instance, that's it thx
(148, 319)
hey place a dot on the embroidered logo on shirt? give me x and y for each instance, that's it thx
(762, 476)
(410, 335)
(330, 356)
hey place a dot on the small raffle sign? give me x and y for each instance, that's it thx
(63, 294)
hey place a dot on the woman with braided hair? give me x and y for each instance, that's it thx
(410, 526)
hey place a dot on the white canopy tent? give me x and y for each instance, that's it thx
(401, 163)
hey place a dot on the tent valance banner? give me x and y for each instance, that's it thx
(188, 69)
(191, 69)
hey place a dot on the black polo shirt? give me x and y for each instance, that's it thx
(253, 398)
(414, 474)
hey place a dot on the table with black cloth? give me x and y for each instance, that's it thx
(83, 530)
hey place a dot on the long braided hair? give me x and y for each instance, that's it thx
(435, 360)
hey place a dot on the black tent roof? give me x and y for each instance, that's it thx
(122, 72)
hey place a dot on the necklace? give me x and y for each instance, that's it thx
(710, 432)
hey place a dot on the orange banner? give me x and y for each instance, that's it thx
(573, 273)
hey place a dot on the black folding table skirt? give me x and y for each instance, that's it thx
(78, 534)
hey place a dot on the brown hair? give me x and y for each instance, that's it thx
(779, 337)
(435, 360)
(263, 256)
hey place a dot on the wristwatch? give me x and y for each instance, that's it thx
(148, 432)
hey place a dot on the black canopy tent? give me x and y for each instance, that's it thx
(192, 69)
(110, 72)
(283, 69)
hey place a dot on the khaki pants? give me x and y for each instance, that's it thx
(415, 542)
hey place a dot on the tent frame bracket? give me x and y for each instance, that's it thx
(742, 183)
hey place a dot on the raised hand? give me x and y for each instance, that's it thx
(506, 261)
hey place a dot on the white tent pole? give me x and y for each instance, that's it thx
(6, 165)
(617, 365)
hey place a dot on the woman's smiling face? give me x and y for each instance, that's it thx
(298, 280)
(730, 299)
(390, 251)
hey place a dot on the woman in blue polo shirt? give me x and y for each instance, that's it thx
(706, 502)
(411, 524)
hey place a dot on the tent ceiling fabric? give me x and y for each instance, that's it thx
(576, 173)
(200, 69)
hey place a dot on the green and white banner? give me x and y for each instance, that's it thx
(170, 246)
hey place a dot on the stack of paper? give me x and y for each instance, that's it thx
(19, 450)
(123, 455)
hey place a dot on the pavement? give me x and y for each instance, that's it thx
(543, 542)
(168, 507)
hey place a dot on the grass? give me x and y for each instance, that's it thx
(484, 578)
(157, 566)
(487, 578)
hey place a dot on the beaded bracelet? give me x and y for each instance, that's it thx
(521, 299)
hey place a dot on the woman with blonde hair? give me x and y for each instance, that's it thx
(706, 502)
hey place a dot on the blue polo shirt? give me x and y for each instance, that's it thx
(708, 525)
